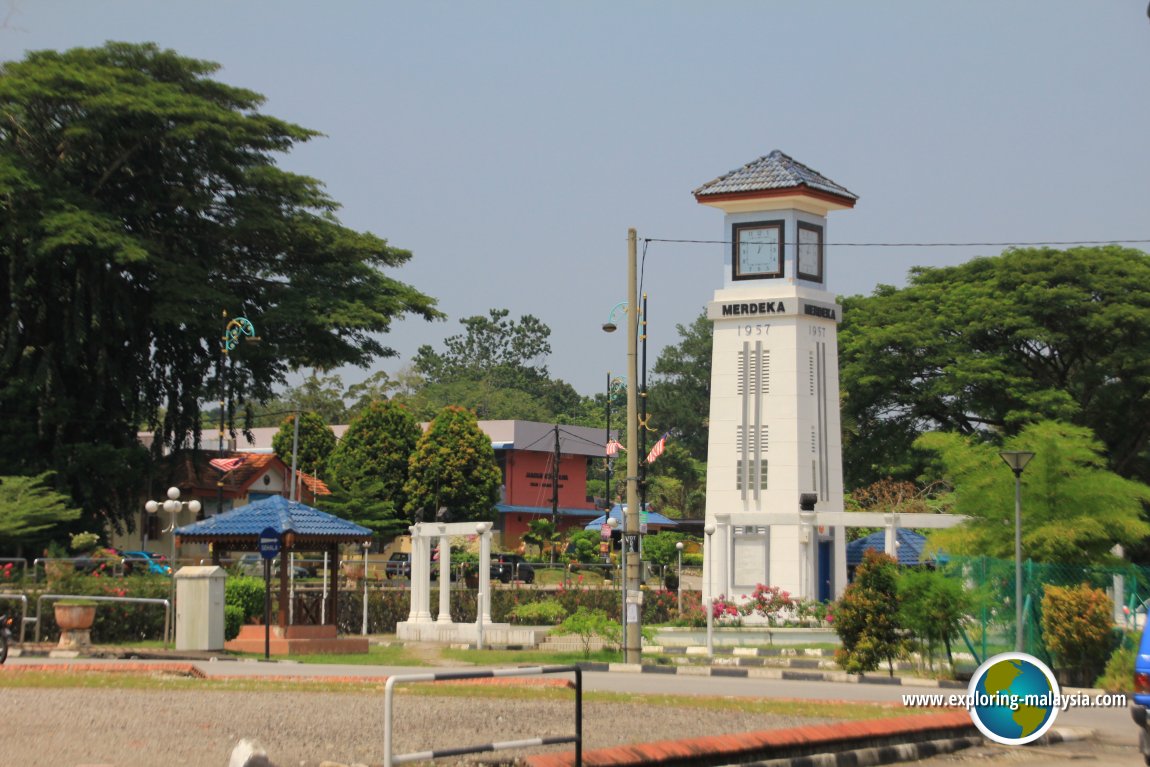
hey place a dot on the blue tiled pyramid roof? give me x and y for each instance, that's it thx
(770, 172)
(910, 547)
(281, 515)
(619, 509)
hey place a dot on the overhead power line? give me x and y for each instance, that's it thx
(1034, 244)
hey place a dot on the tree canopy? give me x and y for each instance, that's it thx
(29, 505)
(316, 442)
(497, 368)
(1074, 510)
(998, 342)
(370, 465)
(453, 468)
(139, 199)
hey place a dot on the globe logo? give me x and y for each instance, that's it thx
(1013, 698)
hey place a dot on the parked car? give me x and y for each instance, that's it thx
(252, 563)
(1141, 700)
(398, 565)
(103, 561)
(145, 563)
(511, 567)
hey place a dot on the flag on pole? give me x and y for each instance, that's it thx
(658, 448)
(227, 464)
(614, 446)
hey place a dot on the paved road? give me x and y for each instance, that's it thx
(1114, 741)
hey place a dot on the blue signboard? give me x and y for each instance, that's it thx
(269, 543)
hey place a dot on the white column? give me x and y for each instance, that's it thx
(421, 575)
(413, 591)
(444, 579)
(485, 574)
(891, 538)
(839, 575)
(808, 541)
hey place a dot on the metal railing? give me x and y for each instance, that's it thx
(390, 759)
(23, 611)
(87, 598)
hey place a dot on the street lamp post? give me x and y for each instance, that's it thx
(173, 506)
(366, 548)
(632, 633)
(709, 529)
(679, 579)
(1017, 461)
(234, 332)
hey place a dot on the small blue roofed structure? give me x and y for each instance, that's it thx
(300, 528)
(654, 518)
(910, 547)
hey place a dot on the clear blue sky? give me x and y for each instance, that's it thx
(510, 145)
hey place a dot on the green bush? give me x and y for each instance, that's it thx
(547, 613)
(1119, 673)
(1076, 624)
(233, 620)
(867, 617)
(588, 624)
(246, 593)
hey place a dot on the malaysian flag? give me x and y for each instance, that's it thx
(614, 446)
(227, 464)
(658, 448)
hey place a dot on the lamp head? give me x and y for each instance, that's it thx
(151, 507)
(194, 506)
(679, 546)
(609, 327)
(709, 528)
(174, 493)
(807, 501)
(1016, 459)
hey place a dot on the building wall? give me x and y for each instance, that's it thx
(528, 480)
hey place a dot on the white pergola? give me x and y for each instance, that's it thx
(729, 526)
(420, 625)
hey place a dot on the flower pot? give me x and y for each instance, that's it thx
(75, 622)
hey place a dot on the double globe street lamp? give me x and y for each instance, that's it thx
(173, 505)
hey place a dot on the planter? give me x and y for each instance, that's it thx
(75, 622)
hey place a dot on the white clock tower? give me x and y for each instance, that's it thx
(774, 455)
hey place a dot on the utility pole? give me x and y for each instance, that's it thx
(632, 596)
(555, 494)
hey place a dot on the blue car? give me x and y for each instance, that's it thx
(146, 563)
(1142, 692)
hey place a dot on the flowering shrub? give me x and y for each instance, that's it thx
(6, 572)
(813, 610)
(767, 602)
(725, 611)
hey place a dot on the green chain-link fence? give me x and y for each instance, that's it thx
(993, 581)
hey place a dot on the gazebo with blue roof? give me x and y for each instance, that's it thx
(300, 528)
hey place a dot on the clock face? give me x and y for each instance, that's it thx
(810, 252)
(758, 251)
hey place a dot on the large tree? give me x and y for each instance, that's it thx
(680, 393)
(369, 467)
(497, 368)
(453, 468)
(28, 507)
(993, 344)
(309, 449)
(1074, 510)
(139, 199)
